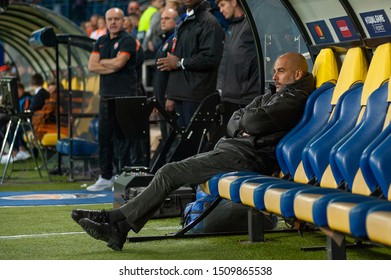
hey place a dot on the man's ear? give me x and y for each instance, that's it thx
(299, 74)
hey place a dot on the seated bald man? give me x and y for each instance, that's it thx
(254, 133)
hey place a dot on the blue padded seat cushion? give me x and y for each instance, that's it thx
(235, 186)
(359, 212)
(259, 192)
(81, 147)
(319, 209)
(287, 200)
(214, 181)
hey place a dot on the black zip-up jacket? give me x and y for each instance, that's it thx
(238, 76)
(200, 43)
(160, 78)
(267, 119)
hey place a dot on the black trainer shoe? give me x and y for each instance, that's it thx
(105, 232)
(94, 215)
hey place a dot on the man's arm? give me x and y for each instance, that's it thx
(253, 120)
(95, 66)
(107, 66)
(116, 63)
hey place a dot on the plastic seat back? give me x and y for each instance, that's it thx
(347, 101)
(348, 77)
(346, 155)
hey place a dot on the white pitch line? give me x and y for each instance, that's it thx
(68, 233)
(39, 235)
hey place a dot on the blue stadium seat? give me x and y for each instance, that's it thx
(347, 214)
(279, 195)
(311, 205)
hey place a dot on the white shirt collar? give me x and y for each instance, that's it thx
(37, 89)
(188, 14)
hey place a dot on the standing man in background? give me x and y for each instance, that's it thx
(238, 75)
(145, 19)
(114, 58)
(193, 60)
(167, 24)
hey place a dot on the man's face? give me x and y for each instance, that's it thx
(227, 9)
(133, 7)
(167, 20)
(191, 4)
(20, 91)
(114, 20)
(284, 73)
(158, 4)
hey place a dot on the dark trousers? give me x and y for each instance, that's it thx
(191, 171)
(185, 111)
(113, 145)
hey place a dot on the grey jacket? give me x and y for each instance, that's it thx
(238, 76)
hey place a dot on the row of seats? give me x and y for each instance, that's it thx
(335, 171)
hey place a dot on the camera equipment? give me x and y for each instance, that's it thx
(9, 103)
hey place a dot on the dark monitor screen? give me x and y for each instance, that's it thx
(9, 102)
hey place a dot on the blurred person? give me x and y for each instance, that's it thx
(114, 58)
(145, 19)
(167, 23)
(86, 26)
(37, 102)
(238, 75)
(135, 19)
(44, 120)
(128, 25)
(40, 94)
(174, 4)
(134, 8)
(193, 60)
(19, 151)
(94, 21)
(102, 29)
(255, 131)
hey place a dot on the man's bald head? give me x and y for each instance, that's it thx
(289, 68)
(296, 61)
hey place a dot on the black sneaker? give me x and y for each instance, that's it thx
(105, 232)
(94, 215)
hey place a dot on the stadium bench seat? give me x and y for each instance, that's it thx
(310, 205)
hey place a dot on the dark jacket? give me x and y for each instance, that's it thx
(200, 43)
(38, 100)
(238, 76)
(267, 119)
(160, 78)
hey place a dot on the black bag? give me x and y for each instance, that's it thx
(228, 216)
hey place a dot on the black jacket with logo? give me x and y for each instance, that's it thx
(200, 42)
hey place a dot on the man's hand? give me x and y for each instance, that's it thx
(170, 105)
(167, 63)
